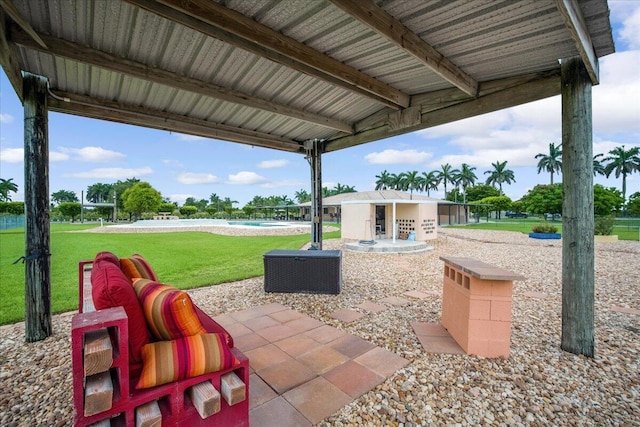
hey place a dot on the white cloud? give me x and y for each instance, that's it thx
(172, 162)
(631, 29)
(268, 164)
(55, 156)
(394, 157)
(197, 178)
(284, 183)
(246, 178)
(111, 173)
(12, 155)
(6, 118)
(93, 154)
(184, 137)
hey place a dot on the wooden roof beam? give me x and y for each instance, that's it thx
(104, 109)
(572, 15)
(215, 20)
(87, 55)
(11, 10)
(386, 25)
(9, 57)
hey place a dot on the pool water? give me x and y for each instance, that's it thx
(200, 222)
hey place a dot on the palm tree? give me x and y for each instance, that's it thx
(447, 174)
(216, 201)
(99, 192)
(339, 189)
(395, 182)
(551, 162)
(466, 178)
(383, 181)
(430, 181)
(500, 174)
(302, 196)
(622, 162)
(6, 187)
(411, 181)
(598, 168)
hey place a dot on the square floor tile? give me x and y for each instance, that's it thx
(286, 315)
(372, 306)
(351, 345)
(273, 308)
(625, 310)
(259, 391)
(304, 323)
(429, 329)
(286, 375)
(297, 345)
(397, 301)
(247, 314)
(317, 399)
(325, 334)
(224, 319)
(540, 295)
(277, 333)
(416, 294)
(381, 361)
(353, 378)
(259, 323)
(237, 329)
(345, 315)
(322, 359)
(440, 345)
(277, 413)
(265, 356)
(249, 342)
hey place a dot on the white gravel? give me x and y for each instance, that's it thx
(538, 384)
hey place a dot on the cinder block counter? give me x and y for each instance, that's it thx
(476, 305)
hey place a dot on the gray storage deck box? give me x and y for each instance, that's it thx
(318, 272)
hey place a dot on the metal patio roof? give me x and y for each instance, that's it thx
(276, 73)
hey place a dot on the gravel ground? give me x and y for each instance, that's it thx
(537, 385)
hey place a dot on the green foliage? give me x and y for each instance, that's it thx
(633, 207)
(517, 206)
(481, 191)
(500, 175)
(551, 162)
(70, 210)
(141, 197)
(6, 187)
(62, 196)
(455, 195)
(544, 228)
(603, 225)
(167, 207)
(12, 208)
(543, 199)
(606, 200)
(188, 210)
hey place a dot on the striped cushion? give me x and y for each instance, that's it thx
(136, 267)
(168, 361)
(168, 311)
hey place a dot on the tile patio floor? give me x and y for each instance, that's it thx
(302, 370)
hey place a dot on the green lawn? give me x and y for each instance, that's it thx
(185, 260)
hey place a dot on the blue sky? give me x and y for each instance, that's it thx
(86, 151)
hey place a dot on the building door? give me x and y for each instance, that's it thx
(380, 219)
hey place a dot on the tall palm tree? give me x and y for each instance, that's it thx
(302, 196)
(466, 178)
(622, 162)
(447, 174)
(500, 174)
(598, 167)
(6, 187)
(551, 162)
(430, 181)
(395, 182)
(383, 181)
(411, 181)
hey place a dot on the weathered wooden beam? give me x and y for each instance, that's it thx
(205, 398)
(149, 415)
(386, 25)
(36, 204)
(14, 13)
(452, 110)
(98, 394)
(87, 55)
(9, 58)
(572, 15)
(122, 113)
(577, 210)
(215, 20)
(232, 388)
(98, 352)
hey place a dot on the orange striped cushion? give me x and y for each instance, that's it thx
(167, 361)
(137, 267)
(168, 311)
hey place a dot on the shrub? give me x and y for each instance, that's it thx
(603, 225)
(544, 229)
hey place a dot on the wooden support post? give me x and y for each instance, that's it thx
(36, 202)
(205, 398)
(315, 154)
(577, 210)
(149, 415)
(232, 388)
(98, 394)
(98, 351)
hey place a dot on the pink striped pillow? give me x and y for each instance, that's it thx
(169, 312)
(168, 361)
(136, 267)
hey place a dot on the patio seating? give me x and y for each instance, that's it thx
(148, 356)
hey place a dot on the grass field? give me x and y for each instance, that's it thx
(184, 260)
(626, 229)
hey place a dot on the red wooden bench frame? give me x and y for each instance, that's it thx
(175, 406)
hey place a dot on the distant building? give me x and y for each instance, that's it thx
(368, 215)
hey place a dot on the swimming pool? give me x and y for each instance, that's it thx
(156, 223)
